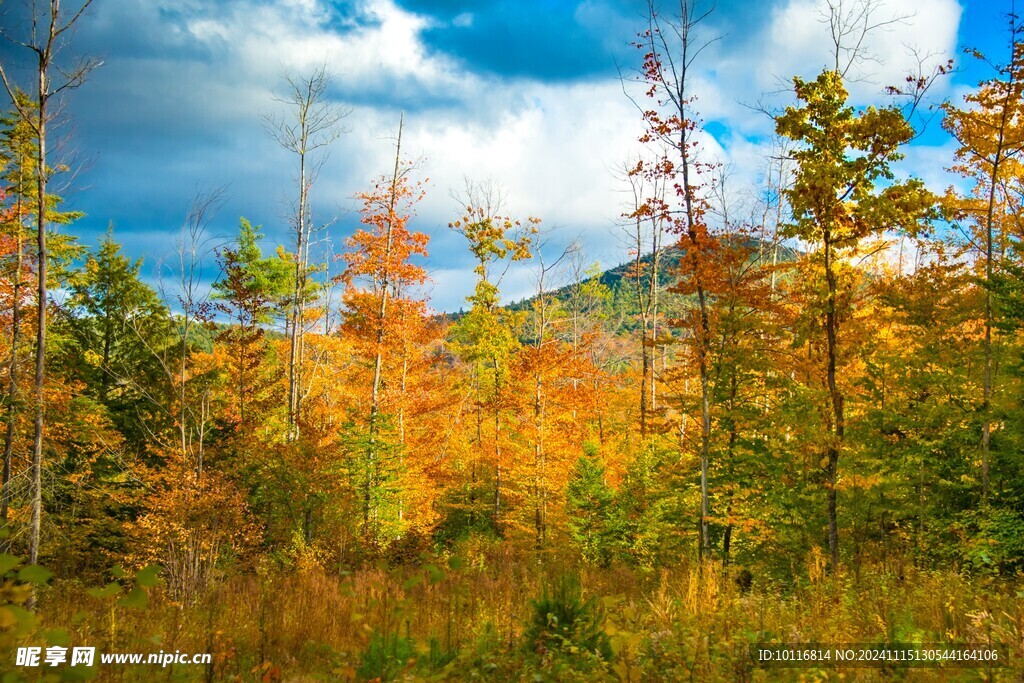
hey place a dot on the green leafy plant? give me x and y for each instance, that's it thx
(563, 620)
(385, 657)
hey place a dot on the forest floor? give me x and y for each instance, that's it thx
(503, 614)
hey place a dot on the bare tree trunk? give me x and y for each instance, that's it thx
(479, 446)
(669, 78)
(986, 426)
(182, 387)
(702, 338)
(45, 52)
(647, 302)
(693, 219)
(645, 373)
(401, 426)
(298, 309)
(539, 474)
(497, 442)
(837, 421)
(730, 451)
(37, 443)
(538, 459)
(317, 125)
(192, 248)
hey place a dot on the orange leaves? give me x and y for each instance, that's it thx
(381, 279)
(389, 332)
(382, 253)
(190, 522)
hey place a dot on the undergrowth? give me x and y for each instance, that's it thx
(510, 615)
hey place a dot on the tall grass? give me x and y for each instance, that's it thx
(466, 618)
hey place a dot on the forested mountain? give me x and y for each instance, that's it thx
(620, 284)
(645, 473)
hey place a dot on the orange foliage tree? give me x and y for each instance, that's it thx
(386, 324)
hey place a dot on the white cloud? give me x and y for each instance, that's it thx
(798, 41)
(929, 163)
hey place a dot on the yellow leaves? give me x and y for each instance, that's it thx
(7, 618)
(817, 565)
(858, 481)
(833, 197)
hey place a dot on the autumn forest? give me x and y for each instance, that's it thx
(792, 419)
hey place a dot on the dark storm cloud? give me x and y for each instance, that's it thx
(541, 39)
(557, 40)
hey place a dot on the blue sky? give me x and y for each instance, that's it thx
(525, 94)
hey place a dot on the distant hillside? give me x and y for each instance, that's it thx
(620, 283)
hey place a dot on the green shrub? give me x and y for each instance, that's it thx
(385, 657)
(563, 620)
